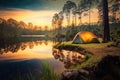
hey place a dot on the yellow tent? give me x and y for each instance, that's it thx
(85, 37)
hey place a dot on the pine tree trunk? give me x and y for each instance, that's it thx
(89, 18)
(75, 20)
(69, 19)
(89, 14)
(80, 21)
(106, 30)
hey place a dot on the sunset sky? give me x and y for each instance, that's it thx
(39, 12)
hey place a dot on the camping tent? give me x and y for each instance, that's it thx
(85, 37)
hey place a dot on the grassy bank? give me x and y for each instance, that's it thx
(91, 48)
(91, 61)
(82, 46)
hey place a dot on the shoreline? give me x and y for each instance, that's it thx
(93, 52)
(95, 64)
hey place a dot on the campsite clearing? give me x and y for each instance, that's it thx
(94, 48)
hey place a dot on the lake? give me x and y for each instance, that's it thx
(27, 56)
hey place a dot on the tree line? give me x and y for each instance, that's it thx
(13, 29)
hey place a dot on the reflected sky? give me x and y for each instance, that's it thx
(68, 58)
(30, 50)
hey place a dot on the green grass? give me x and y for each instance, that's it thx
(88, 63)
(90, 45)
(70, 47)
(48, 73)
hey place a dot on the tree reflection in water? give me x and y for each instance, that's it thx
(69, 58)
(14, 47)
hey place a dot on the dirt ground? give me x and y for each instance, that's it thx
(104, 51)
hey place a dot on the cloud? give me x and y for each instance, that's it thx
(33, 4)
(25, 4)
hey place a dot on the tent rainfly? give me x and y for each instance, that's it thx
(85, 37)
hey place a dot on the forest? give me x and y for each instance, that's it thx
(13, 29)
(106, 27)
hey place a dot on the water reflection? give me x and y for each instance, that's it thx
(14, 47)
(9, 47)
(69, 58)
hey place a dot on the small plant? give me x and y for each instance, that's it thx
(87, 56)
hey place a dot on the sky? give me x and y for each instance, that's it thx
(39, 12)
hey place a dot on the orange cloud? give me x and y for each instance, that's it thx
(41, 17)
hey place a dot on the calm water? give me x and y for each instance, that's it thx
(28, 50)
(26, 57)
